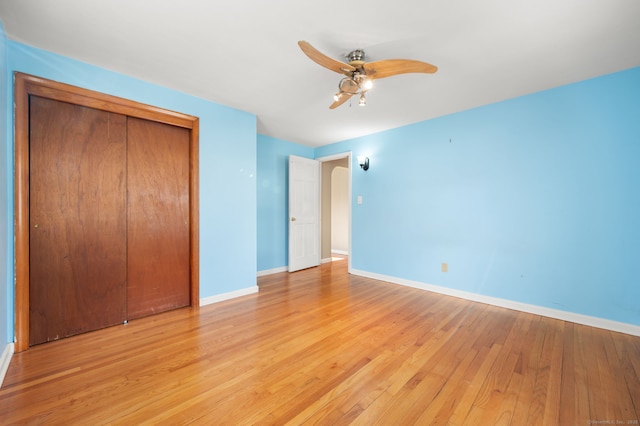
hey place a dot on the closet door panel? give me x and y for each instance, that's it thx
(77, 215)
(158, 217)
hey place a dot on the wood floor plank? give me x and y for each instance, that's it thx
(628, 351)
(551, 414)
(528, 368)
(439, 409)
(321, 346)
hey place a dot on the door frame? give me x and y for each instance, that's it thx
(26, 85)
(340, 156)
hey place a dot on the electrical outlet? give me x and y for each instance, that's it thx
(445, 267)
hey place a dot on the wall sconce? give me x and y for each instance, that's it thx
(364, 162)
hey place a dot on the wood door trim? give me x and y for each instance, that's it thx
(79, 96)
(26, 85)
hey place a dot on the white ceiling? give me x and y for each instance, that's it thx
(244, 53)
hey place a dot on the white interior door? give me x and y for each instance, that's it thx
(304, 213)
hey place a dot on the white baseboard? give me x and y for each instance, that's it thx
(509, 304)
(326, 260)
(226, 296)
(5, 359)
(342, 252)
(272, 271)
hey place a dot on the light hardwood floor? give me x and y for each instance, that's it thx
(322, 347)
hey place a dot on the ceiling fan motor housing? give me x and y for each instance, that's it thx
(356, 55)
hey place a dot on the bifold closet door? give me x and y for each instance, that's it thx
(158, 266)
(77, 216)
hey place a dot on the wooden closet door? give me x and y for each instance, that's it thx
(158, 217)
(77, 214)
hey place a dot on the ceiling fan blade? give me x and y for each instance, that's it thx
(320, 58)
(389, 67)
(342, 98)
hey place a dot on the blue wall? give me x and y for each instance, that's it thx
(273, 202)
(534, 199)
(6, 192)
(227, 165)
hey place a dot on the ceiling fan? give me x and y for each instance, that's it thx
(359, 75)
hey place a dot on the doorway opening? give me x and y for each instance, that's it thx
(335, 201)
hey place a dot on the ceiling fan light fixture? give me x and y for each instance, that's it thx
(368, 84)
(348, 85)
(336, 97)
(363, 100)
